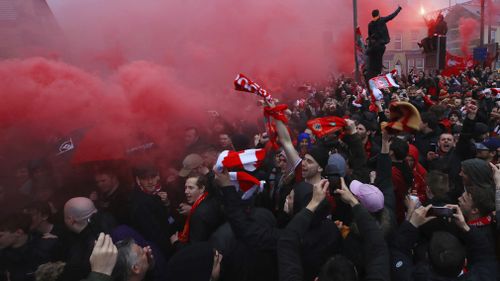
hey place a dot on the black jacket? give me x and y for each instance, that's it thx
(252, 256)
(374, 247)
(357, 158)
(481, 261)
(151, 218)
(205, 220)
(116, 204)
(377, 30)
(22, 262)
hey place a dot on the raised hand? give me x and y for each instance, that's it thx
(319, 194)
(104, 254)
(346, 195)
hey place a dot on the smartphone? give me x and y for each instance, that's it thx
(433, 147)
(443, 212)
(334, 183)
(416, 200)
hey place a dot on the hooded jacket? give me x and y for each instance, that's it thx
(419, 175)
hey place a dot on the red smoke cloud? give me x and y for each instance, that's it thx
(156, 66)
(491, 12)
(468, 29)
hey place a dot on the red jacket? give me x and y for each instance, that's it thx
(419, 175)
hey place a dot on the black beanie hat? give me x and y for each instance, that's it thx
(320, 155)
(480, 128)
(192, 263)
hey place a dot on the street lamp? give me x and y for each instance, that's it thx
(355, 22)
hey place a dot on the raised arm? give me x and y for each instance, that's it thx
(393, 15)
(292, 155)
(384, 173)
(290, 264)
(244, 228)
(375, 249)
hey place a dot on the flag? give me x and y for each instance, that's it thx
(244, 84)
(248, 160)
(455, 64)
(360, 50)
(382, 82)
(326, 125)
(246, 183)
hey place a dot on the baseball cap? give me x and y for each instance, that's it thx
(189, 163)
(492, 143)
(368, 195)
(481, 146)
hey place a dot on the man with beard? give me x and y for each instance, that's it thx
(366, 131)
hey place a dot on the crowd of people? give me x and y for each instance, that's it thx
(361, 203)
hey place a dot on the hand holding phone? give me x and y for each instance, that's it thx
(443, 212)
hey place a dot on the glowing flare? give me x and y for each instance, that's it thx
(422, 10)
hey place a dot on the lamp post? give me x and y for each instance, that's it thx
(481, 35)
(355, 22)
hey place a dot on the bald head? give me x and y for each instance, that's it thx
(76, 213)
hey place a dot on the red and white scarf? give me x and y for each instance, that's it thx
(248, 160)
(382, 82)
(246, 183)
(184, 235)
(244, 84)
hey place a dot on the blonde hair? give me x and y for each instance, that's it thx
(49, 271)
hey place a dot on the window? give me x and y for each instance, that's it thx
(398, 41)
(414, 40)
(419, 64)
(410, 65)
(493, 35)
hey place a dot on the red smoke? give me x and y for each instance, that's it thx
(468, 29)
(491, 12)
(143, 70)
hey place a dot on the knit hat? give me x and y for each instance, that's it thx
(320, 154)
(480, 129)
(479, 172)
(192, 263)
(368, 195)
(336, 165)
(403, 117)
